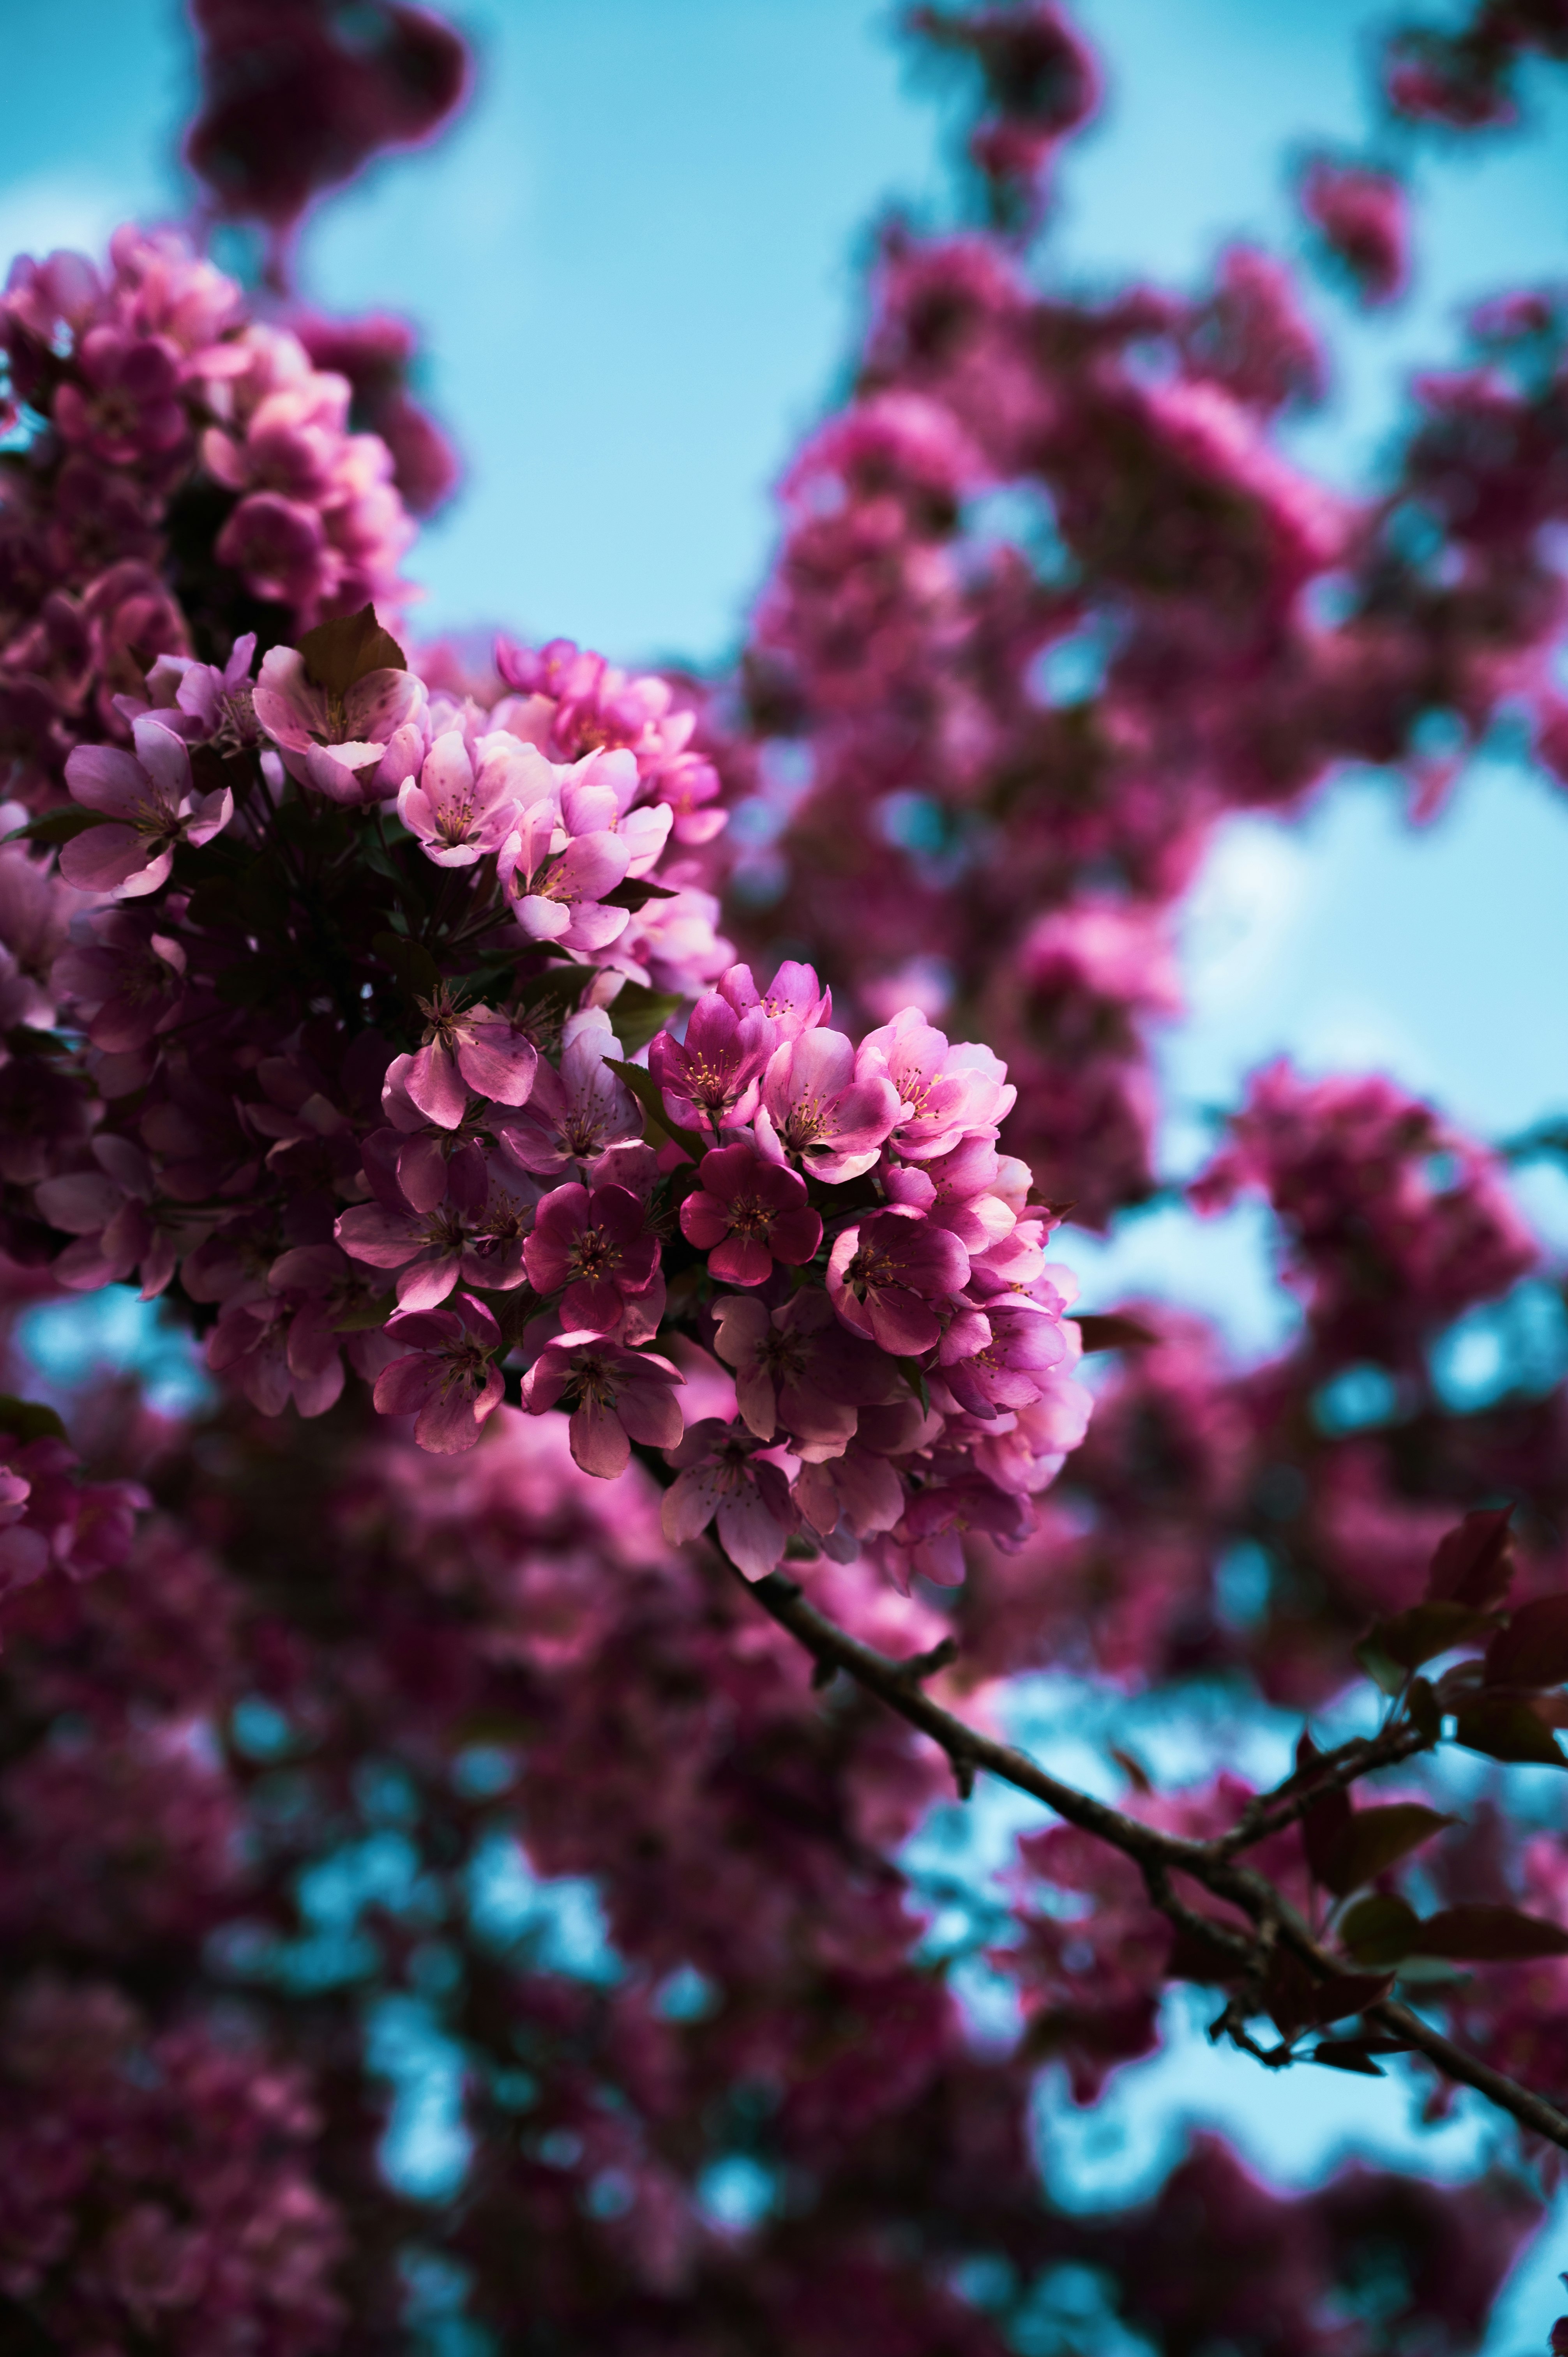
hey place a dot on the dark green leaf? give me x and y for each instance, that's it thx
(637, 1014)
(1506, 1727)
(1532, 1651)
(1487, 1934)
(914, 1375)
(1379, 1930)
(1374, 1839)
(1474, 1563)
(339, 653)
(28, 1420)
(636, 893)
(1111, 1330)
(59, 826)
(645, 1089)
(1346, 2054)
(1296, 2000)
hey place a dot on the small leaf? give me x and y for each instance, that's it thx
(366, 1316)
(1505, 1726)
(1374, 1839)
(1486, 1935)
(58, 825)
(636, 893)
(1346, 2054)
(339, 653)
(1474, 1563)
(1132, 1768)
(645, 1089)
(1425, 1631)
(637, 1014)
(1297, 2001)
(1379, 1930)
(28, 1420)
(1110, 1330)
(914, 1375)
(1532, 1651)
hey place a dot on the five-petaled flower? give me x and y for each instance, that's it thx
(598, 1246)
(889, 1276)
(448, 1380)
(746, 1214)
(618, 1396)
(150, 794)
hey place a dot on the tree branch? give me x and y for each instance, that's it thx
(1158, 1853)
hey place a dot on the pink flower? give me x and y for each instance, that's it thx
(427, 1246)
(469, 1048)
(150, 792)
(126, 981)
(129, 407)
(340, 744)
(574, 1113)
(598, 1246)
(943, 1090)
(460, 810)
(798, 1368)
(711, 1075)
(278, 546)
(746, 1214)
(851, 1497)
(887, 1272)
(557, 889)
(620, 1396)
(721, 1477)
(793, 1002)
(110, 1212)
(449, 1382)
(813, 1106)
(955, 1189)
(1009, 1370)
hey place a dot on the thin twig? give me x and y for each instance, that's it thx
(1158, 1853)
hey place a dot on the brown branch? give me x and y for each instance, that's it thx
(1332, 1771)
(1158, 1853)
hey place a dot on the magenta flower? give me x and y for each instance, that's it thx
(943, 1090)
(129, 407)
(598, 1247)
(723, 1479)
(850, 1497)
(798, 1369)
(813, 1106)
(278, 546)
(746, 1214)
(888, 1274)
(711, 1075)
(619, 1396)
(150, 793)
(338, 744)
(460, 810)
(1027, 1345)
(937, 1519)
(448, 1382)
(573, 1114)
(469, 1048)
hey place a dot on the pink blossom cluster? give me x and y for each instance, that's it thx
(50, 1520)
(836, 1222)
(154, 2187)
(152, 407)
(1361, 215)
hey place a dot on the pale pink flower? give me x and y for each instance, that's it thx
(462, 808)
(465, 1050)
(574, 1113)
(151, 796)
(943, 1090)
(814, 1107)
(341, 744)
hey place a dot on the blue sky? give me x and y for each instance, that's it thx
(635, 263)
